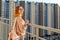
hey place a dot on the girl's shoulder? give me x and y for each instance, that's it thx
(19, 19)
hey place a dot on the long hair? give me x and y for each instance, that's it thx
(16, 12)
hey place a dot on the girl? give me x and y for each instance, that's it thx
(19, 30)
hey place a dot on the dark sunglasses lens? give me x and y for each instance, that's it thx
(21, 9)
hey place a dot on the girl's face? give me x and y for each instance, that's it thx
(21, 10)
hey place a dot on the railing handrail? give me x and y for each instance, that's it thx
(41, 27)
(4, 18)
(46, 28)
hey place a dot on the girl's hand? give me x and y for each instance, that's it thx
(27, 22)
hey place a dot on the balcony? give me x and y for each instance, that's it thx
(5, 28)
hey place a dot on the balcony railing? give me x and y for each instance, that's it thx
(29, 35)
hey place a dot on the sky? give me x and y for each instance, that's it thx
(46, 1)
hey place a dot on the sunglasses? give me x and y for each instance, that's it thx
(21, 9)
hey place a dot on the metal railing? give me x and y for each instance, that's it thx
(29, 35)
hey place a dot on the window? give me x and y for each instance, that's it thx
(45, 18)
(37, 13)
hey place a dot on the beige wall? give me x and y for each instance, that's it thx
(33, 16)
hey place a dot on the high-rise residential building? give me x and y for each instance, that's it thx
(37, 18)
(0, 7)
(56, 16)
(28, 13)
(37, 13)
(11, 11)
(17, 3)
(45, 17)
(0, 16)
(32, 17)
(56, 12)
(52, 16)
(27, 16)
(40, 18)
(59, 17)
(49, 17)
